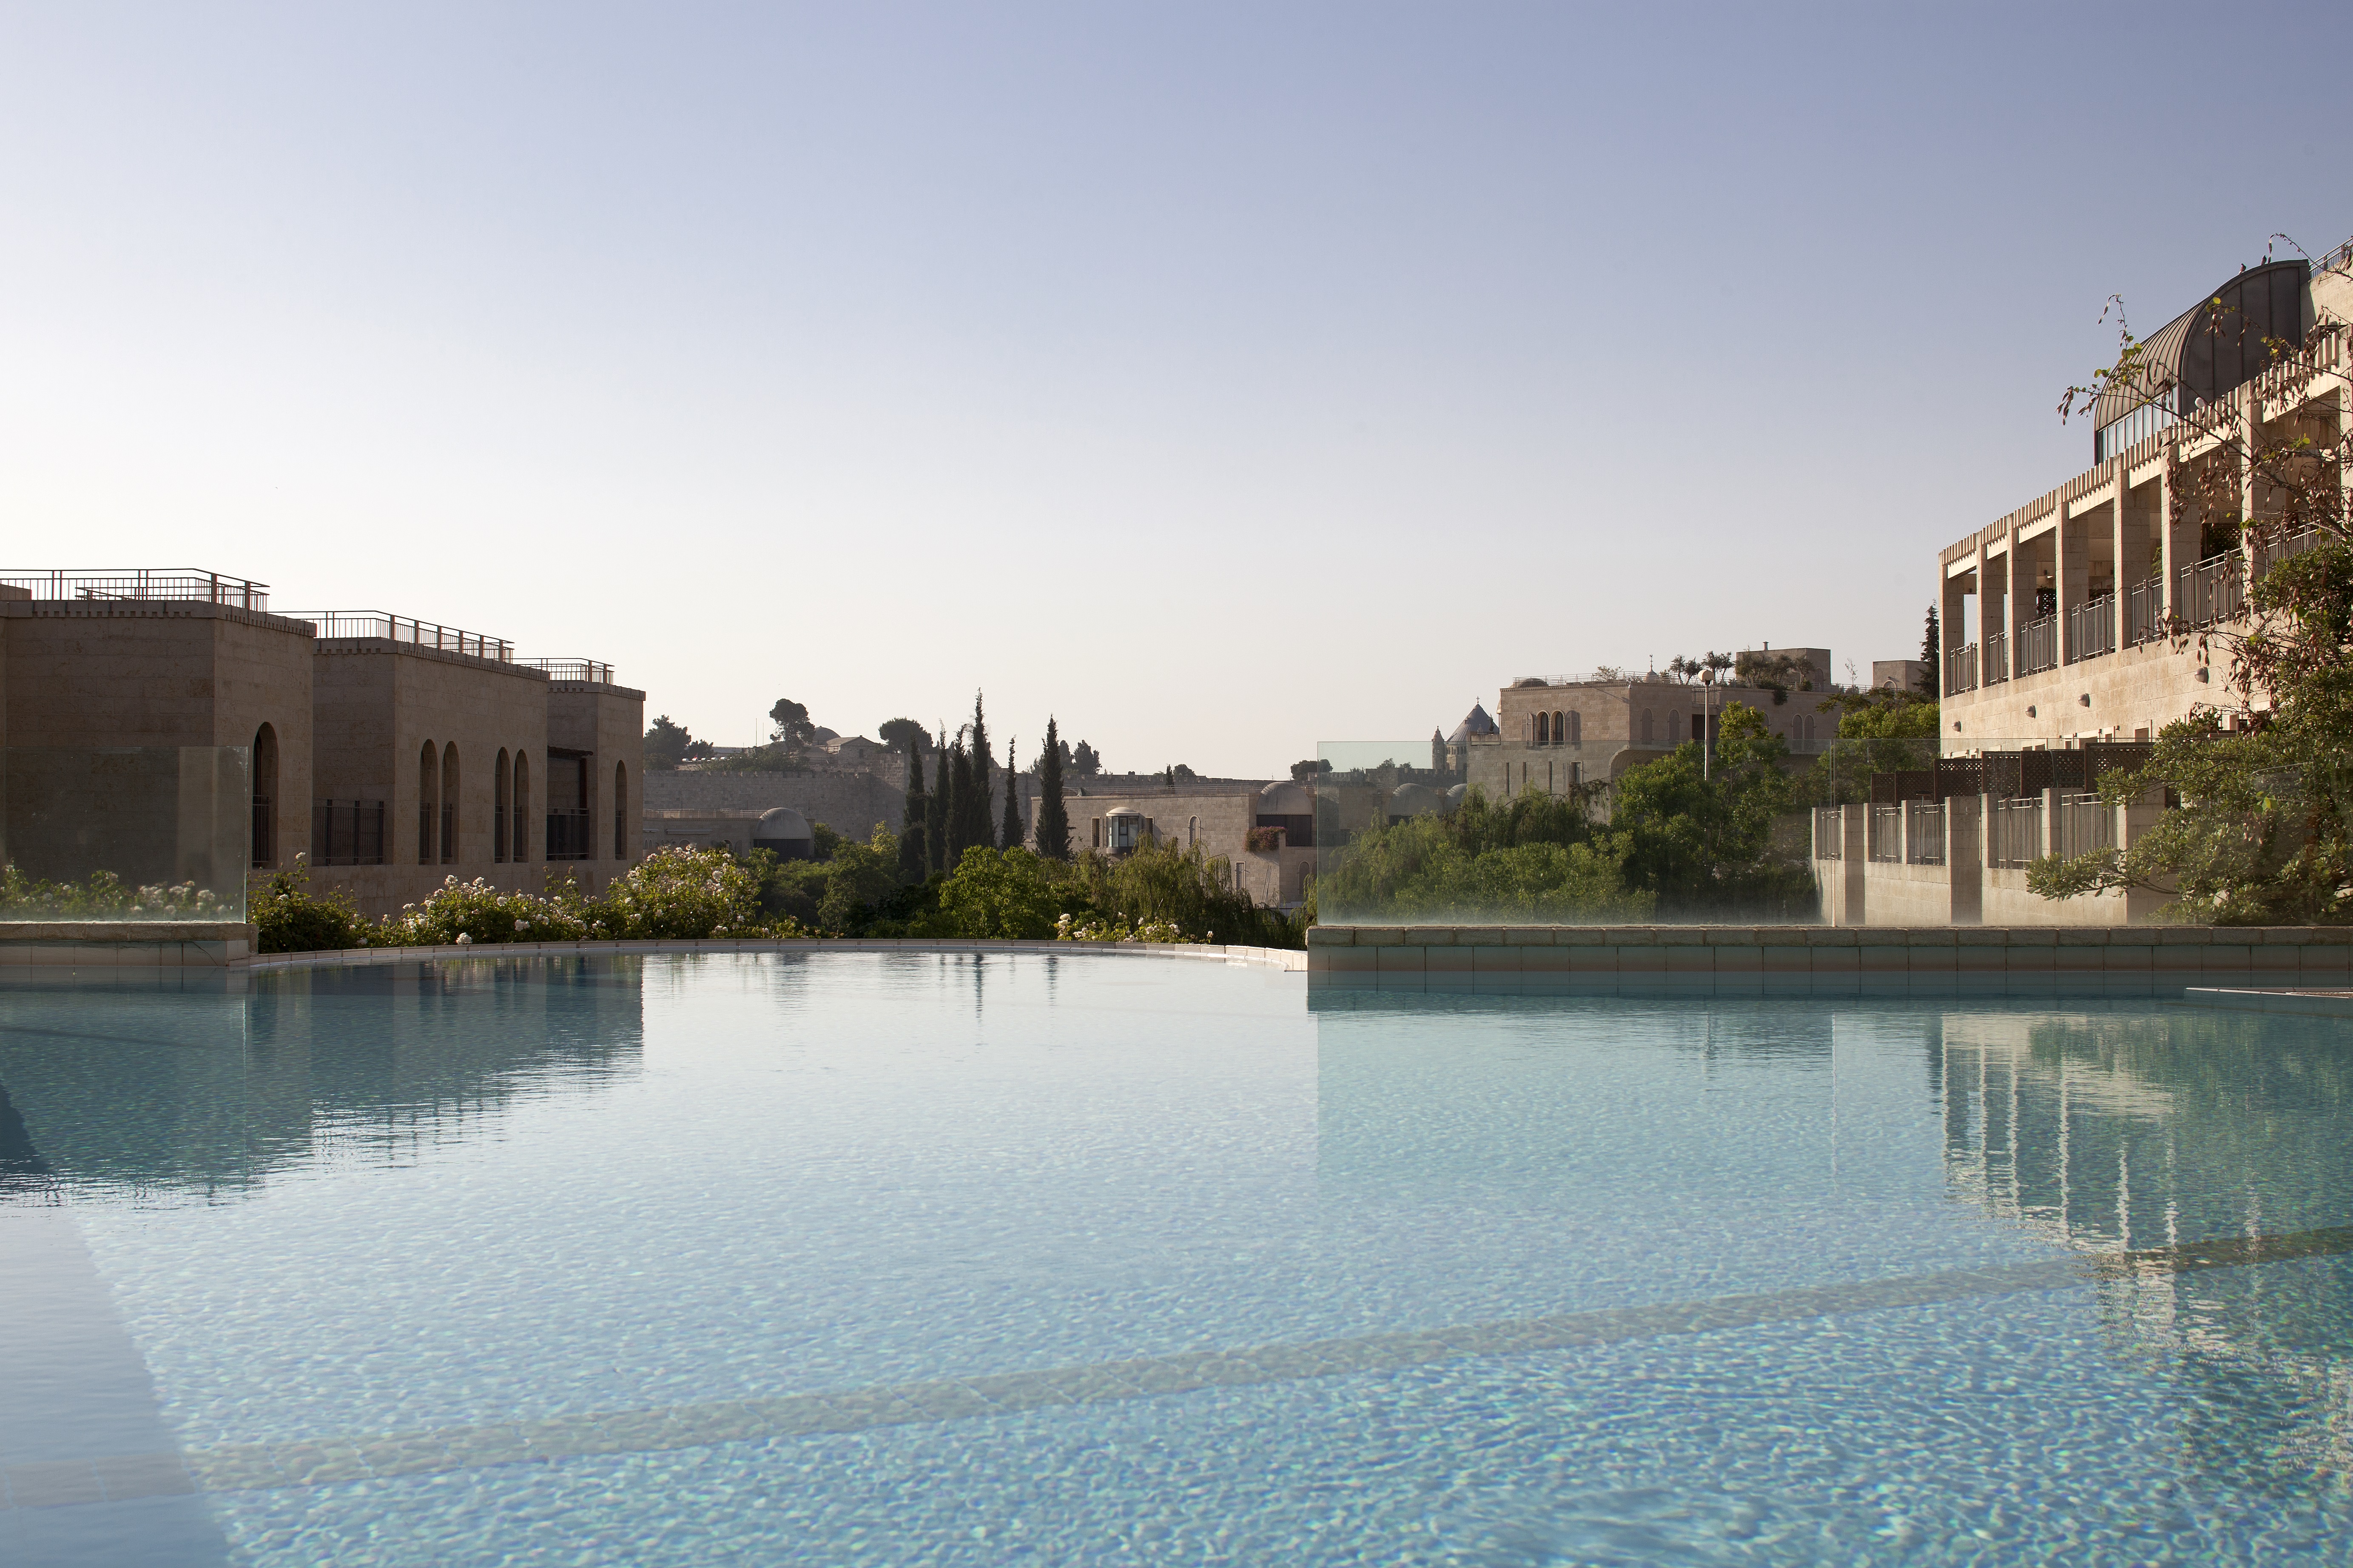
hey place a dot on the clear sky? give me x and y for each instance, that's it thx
(1221, 380)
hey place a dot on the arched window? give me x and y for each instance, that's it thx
(1543, 737)
(448, 804)
(265, 797)
(523, 834)
(1575, 728)
(620, 811)
(428, 801)
(1650, 729)
(501, 800)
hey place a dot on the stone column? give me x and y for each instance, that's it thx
(1965, 858)
(2050, 845)
(1854, 825)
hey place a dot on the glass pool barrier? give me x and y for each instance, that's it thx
(124, 833)
(1568, 825)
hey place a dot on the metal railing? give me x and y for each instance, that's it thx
(2038, 645)
(2017, 837)
(174, 585)
(1926, 844)
(2309, 537)
(569, 828)
(2091, 629)
(1830, 833)
(401, 629)
(2083, 823)
(570, 668)
(2144, 612)
(1994, 664)
(347, 833)
(2213, 590)
(265, 832)
(1886, 835)
(1960, 669)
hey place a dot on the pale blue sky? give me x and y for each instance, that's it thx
(1221, 380)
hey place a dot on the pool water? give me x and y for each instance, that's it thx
(900, 1259)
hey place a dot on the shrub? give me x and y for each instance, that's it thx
(293, 919)
(102, 894)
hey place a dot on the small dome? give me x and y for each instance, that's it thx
(1284, 798)
(1531, 680)
(1123, 811)
(782, 824)
(1454, 796)
(1415, 800)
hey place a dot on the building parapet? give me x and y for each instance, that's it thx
(374, 625)
(593, 672)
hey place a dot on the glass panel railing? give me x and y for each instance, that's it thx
(124, 833)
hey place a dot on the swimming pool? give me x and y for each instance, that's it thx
(902, 1258)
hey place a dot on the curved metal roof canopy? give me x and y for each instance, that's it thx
(2215, 347)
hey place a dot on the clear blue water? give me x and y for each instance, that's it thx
(439, 1201)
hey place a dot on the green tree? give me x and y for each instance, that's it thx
(1707, 840)
(1932, 657)
(1537, 857)
(912, 860)
(939, 811)
(666, 744)
(973, 804)
(958, 804)
(1085, 763)
(1000, 893)
(1053, 814)
(903, 735)
(858, 876)
(790, 725)
(1008, 831)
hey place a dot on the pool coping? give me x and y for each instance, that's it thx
(2310, 1003)
(1287, 960)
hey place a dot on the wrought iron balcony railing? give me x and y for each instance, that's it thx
(175, 585)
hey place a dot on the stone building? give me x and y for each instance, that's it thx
(2056, 616)
(1551, 734)
(394, 752)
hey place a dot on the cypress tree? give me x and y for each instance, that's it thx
(978, 828)
(936, 809)
(1053, 816)
(1931, 654)
(959, 807)
(914, 857)
(1009, 832)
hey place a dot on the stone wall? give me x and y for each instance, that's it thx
(850, 804)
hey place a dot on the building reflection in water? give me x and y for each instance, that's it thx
(2125, 1133)
(172, 1096)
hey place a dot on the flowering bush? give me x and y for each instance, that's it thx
(676, 893)
(102, 895)
(476, 911)
(1263, 839)
(293, 919)
(1068, 929)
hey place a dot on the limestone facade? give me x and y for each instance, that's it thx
(455, 755)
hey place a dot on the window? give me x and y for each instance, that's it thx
(428, 801)
(521, 845)
(502, 804)
(1699, 728)
(265, 797)
(448, 804)
(620, 811)
(1649, 730)
(1542, 738)
(1575, 728)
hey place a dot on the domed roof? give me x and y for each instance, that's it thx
(1286, 798)
(783, 824)
(1474, 723)
(1415, 800)
(1123, 811)
(1454, 795)
(1532, 681)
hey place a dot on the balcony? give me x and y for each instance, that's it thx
(2038, 645)
(2091, 629)
(1993, 665)
(2213, 591)
(169, 584)
(374, 623)
(2144, 612)
(1960, 669)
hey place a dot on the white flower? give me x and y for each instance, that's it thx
(464, 939)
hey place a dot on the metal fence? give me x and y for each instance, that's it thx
(570, 668)
(1960, 669)
(1926, 847)
(347, 833)
(2144, 612)
(2309, 537)
(1993, 665)
(2091, 629)
(2083, 823)
(1886, 840)
(176, 584)
(401, 629)
(2038, 645)
(2212, 591)
(2017, 836)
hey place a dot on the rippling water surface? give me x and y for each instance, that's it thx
(893, 1259)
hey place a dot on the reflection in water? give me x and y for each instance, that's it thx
(2107, 1133)
(195, 1095)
